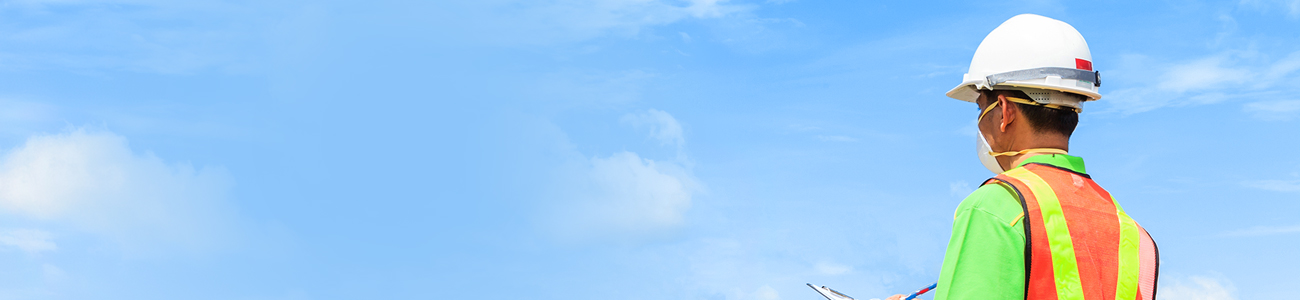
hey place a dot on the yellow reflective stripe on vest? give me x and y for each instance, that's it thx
(1065, 268)
(1126, 287)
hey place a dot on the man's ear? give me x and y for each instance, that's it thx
(1009, 110)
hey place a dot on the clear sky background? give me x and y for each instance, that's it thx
(598, 149)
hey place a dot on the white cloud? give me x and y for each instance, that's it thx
(20, 118)
(766, 293)
(731, 269)
(835, 138)
(542, 22)
(568, 89)
(1291, 7)
(1225, 76)
(1275, 185)
(1283, 67)
(134, 35)
(640, 192)
(1264, 230)
(52, 272)
(1273, 110)
(744, 268)
(1202, 74)
(29, 240)
(1199, 288)
(960, 188)
(706, 8)
(663, 127)
(832, 268)
(93, 182)
(625, 194)
(755, 35)
(800, 127)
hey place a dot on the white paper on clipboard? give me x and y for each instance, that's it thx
(829, 293)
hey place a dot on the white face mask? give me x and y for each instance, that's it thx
(984, 151)
(989, 158)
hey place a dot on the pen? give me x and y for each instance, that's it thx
(922, 291)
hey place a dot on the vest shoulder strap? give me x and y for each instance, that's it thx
(1024, 221)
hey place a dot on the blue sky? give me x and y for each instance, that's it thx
(589, 149)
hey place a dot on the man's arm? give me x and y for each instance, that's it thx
(986, 253)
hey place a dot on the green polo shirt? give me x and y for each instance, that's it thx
(986, 253)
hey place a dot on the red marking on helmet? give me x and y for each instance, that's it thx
(1082, 64)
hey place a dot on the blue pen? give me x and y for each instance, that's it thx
(922, 291)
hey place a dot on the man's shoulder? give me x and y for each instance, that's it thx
(993, 198)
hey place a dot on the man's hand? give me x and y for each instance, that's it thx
(900, 297)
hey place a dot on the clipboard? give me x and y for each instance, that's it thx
(829, 293)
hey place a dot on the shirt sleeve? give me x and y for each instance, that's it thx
(986, 253)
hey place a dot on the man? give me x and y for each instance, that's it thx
(1041, 229)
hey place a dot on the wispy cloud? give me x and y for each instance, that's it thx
(141, 36)
(546, 22)
(1202, 74)
(663, 127)
(736, 269)
(832, 268)
(1233, 69)
(20, 118)
(569, 89)
(766, 292)
(1263, 231)
(52, 273)
(1197, 288)
(637, 194)
(1290, 7)
(93, 182)
(1279, 110)
(835, 138)
(624, 194)
(1274, 185)
(31, 241)
(960, 188)
(1225, 76)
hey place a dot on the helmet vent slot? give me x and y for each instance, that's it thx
(1040, 97)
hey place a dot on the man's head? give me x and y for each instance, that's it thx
(1043, 120)
(1011, 124)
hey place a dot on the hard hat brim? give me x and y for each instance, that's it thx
(966, 91)
(969, 91)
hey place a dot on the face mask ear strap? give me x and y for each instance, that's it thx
(1052, 106)
(987, 110)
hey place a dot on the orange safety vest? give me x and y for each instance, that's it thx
(1080, 243)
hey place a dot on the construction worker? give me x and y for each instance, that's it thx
(1042, 228)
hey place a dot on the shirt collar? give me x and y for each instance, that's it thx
(1069, 162)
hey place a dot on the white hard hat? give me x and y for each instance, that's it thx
(1035, 54)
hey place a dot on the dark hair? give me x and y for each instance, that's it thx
(1043, 119)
